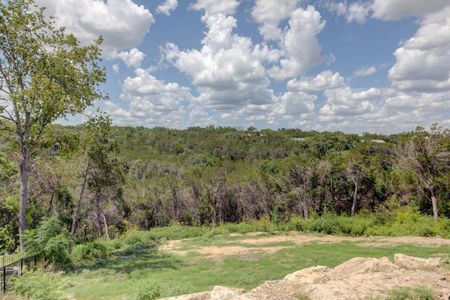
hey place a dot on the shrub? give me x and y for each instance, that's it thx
(90, 251)
(327, 224)
(6, 239)
(148, 291)
(40, 285)
(50, 238)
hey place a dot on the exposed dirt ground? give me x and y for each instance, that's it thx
(260, 242)
(358, 278)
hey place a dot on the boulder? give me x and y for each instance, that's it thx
(224, 293)
(309, 275)
(359, 265)
(416, 263)
(196, 296)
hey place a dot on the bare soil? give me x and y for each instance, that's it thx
(263, 243)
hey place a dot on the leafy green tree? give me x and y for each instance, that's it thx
(103, 176)
(427, 156)
(45, 75)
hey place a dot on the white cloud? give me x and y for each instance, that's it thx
(122, 23)
(345, 101)
(323, 81)
(356, 12)
(212, 7)
(132, 58)
(227, 70)
(296, 102)
(299, 45)
(269, 13)
(116, 69)
(151, 101)
(167, 7)
(423, 61)
(366, 71)
(396, 9)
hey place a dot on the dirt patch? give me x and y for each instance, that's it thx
(358, 278)
(263, 242)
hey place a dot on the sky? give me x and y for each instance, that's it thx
(356, 66)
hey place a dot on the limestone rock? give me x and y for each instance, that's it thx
(416, 263)
(309, 275)
(224, 293)
(196, 296)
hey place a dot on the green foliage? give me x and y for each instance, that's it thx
(90, 251)
(50, 239)
(148, 291)
(40, 285)
(411, 294)
(7, 243)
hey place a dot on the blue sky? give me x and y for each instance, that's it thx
(378, 66)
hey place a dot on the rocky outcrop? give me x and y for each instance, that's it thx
(358, 278)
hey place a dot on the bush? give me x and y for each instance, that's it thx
(7, 243)
(51, 239)
(90, 251)
(148, 291)
(327, 224)
(40, 285)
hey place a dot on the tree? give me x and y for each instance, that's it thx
(104, 172)
(45, 75)
(427, 156)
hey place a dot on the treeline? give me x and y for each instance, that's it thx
(101, 180)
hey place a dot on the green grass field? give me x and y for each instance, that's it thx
(120, 276)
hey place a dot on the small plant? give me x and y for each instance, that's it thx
(148, 291)
(411, 294)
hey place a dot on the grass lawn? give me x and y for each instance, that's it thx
(120, 276)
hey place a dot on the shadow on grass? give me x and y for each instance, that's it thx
(133, 258)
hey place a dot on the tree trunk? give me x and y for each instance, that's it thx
(434, 204)
(354, 198)
(76, 212)
(24, 172)
(98, 215)
(105, 224)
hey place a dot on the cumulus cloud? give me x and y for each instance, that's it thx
(423, 61)
(152, 101)
(167, 7)
(227, 70)
(132, 58)
(345, 101)
(212, 7)
(366, 71)
(391, 10)
(323, 81)
(355, 12)
(269, 13)
(299, 45)
(121, 23)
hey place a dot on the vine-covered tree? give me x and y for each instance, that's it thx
(45, 75)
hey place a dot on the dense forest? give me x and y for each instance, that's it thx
(101, 180)
(96, 180)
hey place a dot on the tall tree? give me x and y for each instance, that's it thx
(105, 175)
(427, 156)
(45, 75)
